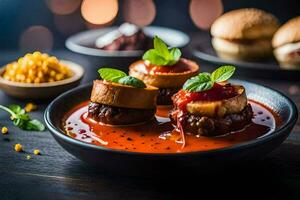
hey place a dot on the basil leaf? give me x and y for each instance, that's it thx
(155, 58)
(34, 125)
(222, 73)
(132, 81)
(161, 48)
(199, 83)
(23, 117)
(15, 108)
(161, 55)
(110, 74)
(175, 54)
(204, 86)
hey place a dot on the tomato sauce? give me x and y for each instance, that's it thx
(218, 92)
(148, 68)
(158, 135)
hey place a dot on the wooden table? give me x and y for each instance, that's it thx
(57, 175)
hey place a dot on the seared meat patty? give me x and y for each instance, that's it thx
(137, 41)
(118, 116)
(207, 126)
(165, 95)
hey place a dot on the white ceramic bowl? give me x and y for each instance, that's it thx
(81, 42)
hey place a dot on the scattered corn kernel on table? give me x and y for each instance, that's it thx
(55, 174)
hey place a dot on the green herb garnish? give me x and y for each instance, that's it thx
(205, 81)
(22, 119)
(118, 76)
(161, 55)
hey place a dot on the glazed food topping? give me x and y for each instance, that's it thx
(117, 76)
(216, 93)
(205, 81)
(161, 55)
(36, 68)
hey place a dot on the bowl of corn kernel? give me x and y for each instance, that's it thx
(39, 75)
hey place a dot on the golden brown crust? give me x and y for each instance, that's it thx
(246, 23)
(220, 108)
(233, 50)
(114, 94)
(287, 33)
(165, 80)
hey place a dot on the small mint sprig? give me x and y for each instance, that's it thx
(21, 119)
(205, 81)
(161, 55)
(117, 76)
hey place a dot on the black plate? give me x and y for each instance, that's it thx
(267, 68)
(124, 162)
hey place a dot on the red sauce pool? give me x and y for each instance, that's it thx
(159, 136)
(148, 68)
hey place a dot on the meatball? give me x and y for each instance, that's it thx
(118, 116)
(165, 95)
(207, 126)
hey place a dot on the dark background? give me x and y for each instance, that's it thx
(17, 15)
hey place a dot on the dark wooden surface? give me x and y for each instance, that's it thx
(57, 175)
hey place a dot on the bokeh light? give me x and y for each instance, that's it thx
(139, 12)
(99, 12)
(63, 7)
(69, 24)
(36, 38)
(204, 13)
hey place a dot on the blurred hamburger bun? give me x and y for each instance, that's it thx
(286, 44)
(244, 34)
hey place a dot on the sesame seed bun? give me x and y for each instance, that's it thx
(245, 24)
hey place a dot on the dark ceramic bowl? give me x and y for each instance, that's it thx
(146, 163)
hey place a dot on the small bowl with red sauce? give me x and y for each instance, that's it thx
(153, 147)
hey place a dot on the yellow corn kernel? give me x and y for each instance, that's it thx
(37, 54)
(29, 63)
(11, 73)
(37, 152)
(45, 56)
(59, 77)
(18, 147)
(20, 61)
(52, 73)
(28, 80)
(30, 107)
(37, 80)
(53, 59)
(45, 67)
(40, 74)
(38, 63)
(4, 130)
